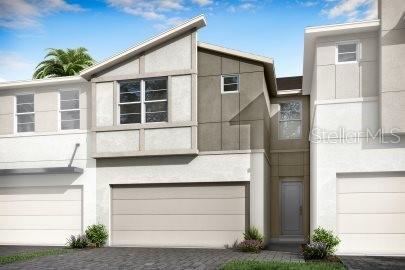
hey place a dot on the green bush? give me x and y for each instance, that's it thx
(97, 235)
(79, 241)
(253, 233)
(314, 251)
(251, 246)
(331, 241)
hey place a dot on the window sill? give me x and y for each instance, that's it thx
(172, 152)
(144, 126)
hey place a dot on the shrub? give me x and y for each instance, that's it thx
(79, 241)
(97, 234)
(331, 241)
(253, 233)
(314, 251)
(251, 246)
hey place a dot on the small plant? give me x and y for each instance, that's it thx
(331, 241)
(253, 241)
(253, 233)
(314, 251)
(79, 241)
(97, 235)
(251, 246)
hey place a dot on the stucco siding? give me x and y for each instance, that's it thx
(175, 55)
(117, 141)
(231, 121)
(346, 80)
(180, 97)
(166, 139)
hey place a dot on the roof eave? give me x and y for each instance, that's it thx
(41, 82)
(267, 62)
(195, 23)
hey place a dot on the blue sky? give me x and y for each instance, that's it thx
(273, 28)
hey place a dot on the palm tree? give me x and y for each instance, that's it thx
(60, 63)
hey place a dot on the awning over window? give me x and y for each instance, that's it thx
(49, 170)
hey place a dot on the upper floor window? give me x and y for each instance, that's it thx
(25, 113)
(230, 83)
(143, 101)
(69, 109)
(347, 52)
(289, 126)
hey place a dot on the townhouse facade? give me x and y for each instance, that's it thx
(354, 74)
(180, 143)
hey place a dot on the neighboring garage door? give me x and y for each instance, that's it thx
(371, 214)
(39, 215)
(195, 215)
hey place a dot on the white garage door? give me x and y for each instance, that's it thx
(39, 215)
(178, 216)
(371, 214)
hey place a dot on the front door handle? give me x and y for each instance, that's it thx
(300, 210)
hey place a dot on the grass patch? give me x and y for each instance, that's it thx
(258, 265)
(29, 255)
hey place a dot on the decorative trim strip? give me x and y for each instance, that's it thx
(144, 75)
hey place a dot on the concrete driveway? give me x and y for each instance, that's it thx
(147, 258)
(374, 263)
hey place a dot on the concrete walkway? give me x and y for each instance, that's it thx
(148, 258)
(374, 263)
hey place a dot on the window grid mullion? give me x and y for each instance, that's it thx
(143, 109)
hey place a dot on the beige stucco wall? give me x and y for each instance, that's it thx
(176, 59)
(252, 168)
(46, 107)
(289, 162)
(231, 121)
(392, 38)
(347, 80)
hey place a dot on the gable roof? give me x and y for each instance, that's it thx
(194, 23)
(267, 62)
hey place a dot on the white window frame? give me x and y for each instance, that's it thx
(345, 43)
(142, 101)
(60, 110)
(222, 83)
(296, 120)
(16, 114)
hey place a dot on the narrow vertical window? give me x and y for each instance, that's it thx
(156, 100)
(130, 102)
(69, 109)
(289, 126)
(347, 52)
(25, 113)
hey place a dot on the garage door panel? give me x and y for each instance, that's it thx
(371, 223)
(372, 244)
(376, 184)
(40, 215)
(36, 237)
(371, 203)
(371, 214)
(175, 238)
(176, 192)
(180, 206)
(40, 208)
(40, 222)
(178, 222)
(40, 194)
(178, 216)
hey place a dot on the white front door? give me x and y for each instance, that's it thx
(291, 207)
